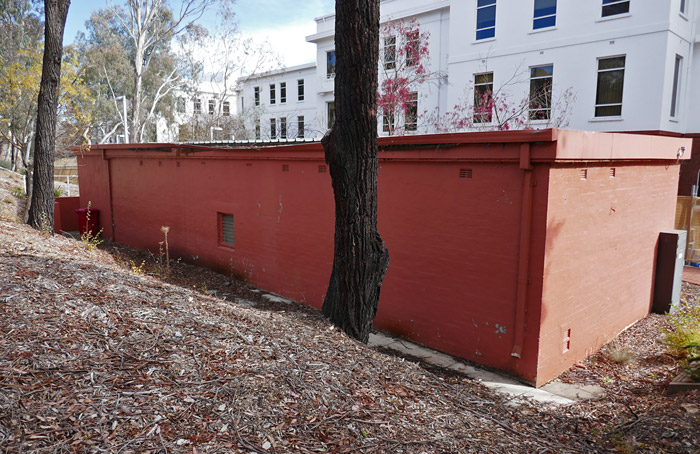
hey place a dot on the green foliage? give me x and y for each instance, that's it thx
(683, 337)
(683, 329)
(57, 192)
(19, 192)
(90, 240)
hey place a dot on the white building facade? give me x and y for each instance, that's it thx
(600, 65)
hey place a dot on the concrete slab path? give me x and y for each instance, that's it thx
(557, 393)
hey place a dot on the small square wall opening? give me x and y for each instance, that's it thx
(226, 230)
(285, 168)
(583, 174)
(465, 173)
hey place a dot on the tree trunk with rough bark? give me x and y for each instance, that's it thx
(360, 259)
(42, 199)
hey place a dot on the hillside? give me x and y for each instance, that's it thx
(100, 353)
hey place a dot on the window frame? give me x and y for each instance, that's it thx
(492, 28)
(532, 113)
(283, 127)
(598, 80)
(197, 106)
(211, 106)
(389, 52)
(273, 94)
(300, 89)
(226, 108)
(273, 128)
(330, 113)
(542, 17)
(330, 64)
(411, 112)
(677, 81)
(483, 117)
(283, 92)
(258, 134)
(256, 95)
(300, 126)
(388, 120)
(610, 5)
(412, 48)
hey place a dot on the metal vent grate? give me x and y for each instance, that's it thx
(465, 173)
(227, 234)
(321, 169)
(285, 168)
(612, 172)
(583, 174)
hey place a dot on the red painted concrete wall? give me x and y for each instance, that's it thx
(65, 217)
(450, 210)
(601, 244)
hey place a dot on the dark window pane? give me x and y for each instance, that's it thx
(483, 78)
(488, 33)
(486, 2)
(610, 85)
(545, 7)
(608, 111)
(545, 22)
(542, 71)
(614, 9)
(486, 17)
(611, 63)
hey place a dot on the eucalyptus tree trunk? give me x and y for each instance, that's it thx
(42, 199)
(360, 259)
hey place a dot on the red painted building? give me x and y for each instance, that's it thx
(524, 251)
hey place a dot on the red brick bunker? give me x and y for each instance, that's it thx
(524, 251)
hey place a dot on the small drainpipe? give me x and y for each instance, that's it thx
(524, 252)
(109, 190)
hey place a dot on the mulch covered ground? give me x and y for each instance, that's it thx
(99, 353)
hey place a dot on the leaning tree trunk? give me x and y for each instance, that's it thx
(360, 260)
(41, 207)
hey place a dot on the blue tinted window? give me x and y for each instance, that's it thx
(545, 14)
(485, 19)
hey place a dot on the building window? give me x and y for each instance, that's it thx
(485, 19)
(388, 120)
(676, 85)
(412, 112)
(682, 6)
(330, 107)
(412, 48)
(390, 52)
(257, 95)
(483, 97)
(611, 77)
(300, 126)
(283, 128)
(545, 14)
(615, 7)
(181, 105)
(226, 232)
(273, 128)
(242, 103)
(300, 90)
(272, 94)
(227, 109)
(197, 106)
(257, 129)
(540, 101)
(283, 92)
(330, 64)
(212, 107)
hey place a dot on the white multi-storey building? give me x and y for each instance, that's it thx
(601, 65)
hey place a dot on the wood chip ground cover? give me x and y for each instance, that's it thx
(97, 358)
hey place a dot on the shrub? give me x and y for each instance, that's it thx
(682, 337)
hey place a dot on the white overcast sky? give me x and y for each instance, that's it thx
(284, 23)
